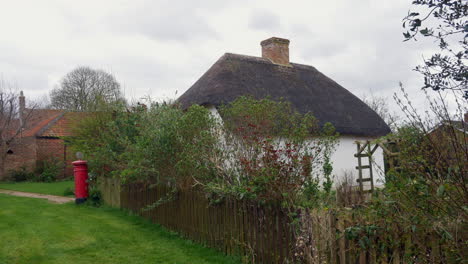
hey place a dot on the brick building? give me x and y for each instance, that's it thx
(42, 139)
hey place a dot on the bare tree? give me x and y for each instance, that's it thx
(13, 118)
(85, 89)
(381, 107)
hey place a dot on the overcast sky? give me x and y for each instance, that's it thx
(155, 48)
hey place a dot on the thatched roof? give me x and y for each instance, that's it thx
(305, 87)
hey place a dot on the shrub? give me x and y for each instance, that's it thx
(162, 143)
(425, 195)
(94, 196)
(270, 152)
(21, 174)
(49, 170)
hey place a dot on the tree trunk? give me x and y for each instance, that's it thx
(2, 165)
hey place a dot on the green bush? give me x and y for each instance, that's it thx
(94, 196)
(21, 174)
(163, 143)
(48, 170)
(274, 153)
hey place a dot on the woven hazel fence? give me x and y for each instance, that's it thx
(263, 234)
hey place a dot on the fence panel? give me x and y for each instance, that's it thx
(233, 226)
(262, 234)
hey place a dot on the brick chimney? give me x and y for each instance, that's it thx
(276, 50)
(22, 107)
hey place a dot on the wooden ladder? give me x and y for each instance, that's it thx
(363, 151)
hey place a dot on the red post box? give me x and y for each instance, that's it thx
(80, 171)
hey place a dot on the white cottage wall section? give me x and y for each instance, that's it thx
(214, 112)
(344, 162)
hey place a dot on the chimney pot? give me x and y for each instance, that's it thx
(276, 50)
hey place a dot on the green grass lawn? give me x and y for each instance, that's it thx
(54, 188)
(36, 231)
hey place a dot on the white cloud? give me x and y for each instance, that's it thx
(264, 20)
(163, 21)
(157, 47)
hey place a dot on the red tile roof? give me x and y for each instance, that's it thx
(38, 119)
(51, 123)
(63, 126)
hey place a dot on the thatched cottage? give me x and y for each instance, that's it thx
(308, 90)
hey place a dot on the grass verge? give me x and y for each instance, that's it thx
(35, 231)
(53, 188)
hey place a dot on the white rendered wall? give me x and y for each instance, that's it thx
(214, 112)
(344, 161)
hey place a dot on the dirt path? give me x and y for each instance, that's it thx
(51, 198)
